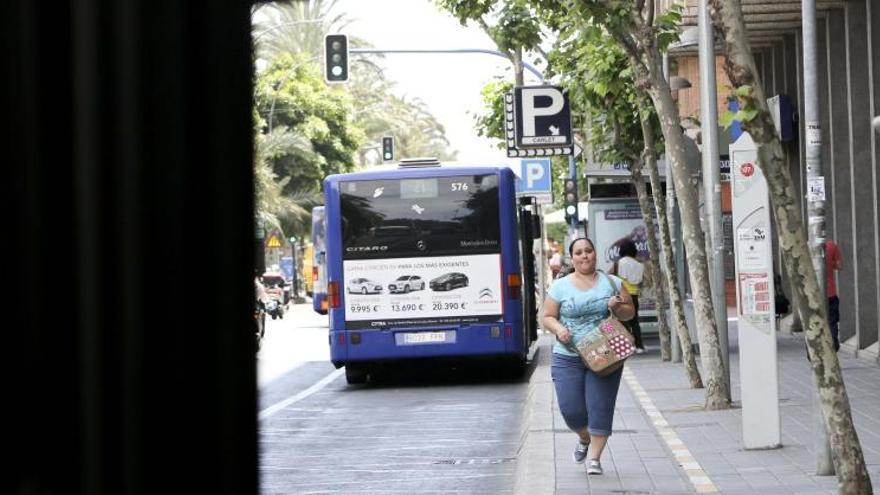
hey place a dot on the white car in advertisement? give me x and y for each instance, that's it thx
(406, 283)
(363, 286)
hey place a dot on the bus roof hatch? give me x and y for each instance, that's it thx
(419, 162)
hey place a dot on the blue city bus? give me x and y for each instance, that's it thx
(426, 261)
(319, 261)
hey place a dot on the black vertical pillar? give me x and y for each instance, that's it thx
(126, 145)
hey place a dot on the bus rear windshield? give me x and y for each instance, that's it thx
(433, 216)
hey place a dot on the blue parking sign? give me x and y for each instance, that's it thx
(535, 179)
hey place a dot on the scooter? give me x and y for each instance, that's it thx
(275, 308)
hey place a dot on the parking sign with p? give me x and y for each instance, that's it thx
(535, 179)
(543, 117)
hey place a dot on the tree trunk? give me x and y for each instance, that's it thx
(638, 40)
(675, 303)
(717, 391)
(848, 458)
(518, 66)
(654, 250)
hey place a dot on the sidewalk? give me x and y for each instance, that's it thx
(694, 451)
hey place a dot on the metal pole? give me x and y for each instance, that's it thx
(712, 180)
(815, 205)
(542, 259)
(573, 225)
(674, 344)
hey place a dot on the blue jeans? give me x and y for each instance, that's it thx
(586, 400)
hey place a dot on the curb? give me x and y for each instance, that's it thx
(536, 459)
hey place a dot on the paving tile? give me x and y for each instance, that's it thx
(638, 460)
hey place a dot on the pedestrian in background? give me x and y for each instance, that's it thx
(575, 306)
(833, 262)
(631, 271)
(555, 258)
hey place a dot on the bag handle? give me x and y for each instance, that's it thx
(613, 286)
(610, 281)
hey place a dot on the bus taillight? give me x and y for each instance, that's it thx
(333, 294)
(314, 274)
(514, 285)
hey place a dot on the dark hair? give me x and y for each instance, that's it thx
(628, 248)
(571, 246)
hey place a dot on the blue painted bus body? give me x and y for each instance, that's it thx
(319, 261)
(378, 340)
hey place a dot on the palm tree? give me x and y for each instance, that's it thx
(295, 27)
(273, 205)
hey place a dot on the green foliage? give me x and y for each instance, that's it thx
(748, 110)
(491, 122)
(516, 27)
(295, 27)
(515, 24)
(465, 10)
(306, 130)
(292, 93)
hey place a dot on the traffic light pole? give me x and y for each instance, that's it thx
(526, 65)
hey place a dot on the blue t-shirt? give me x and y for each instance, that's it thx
(580, 311)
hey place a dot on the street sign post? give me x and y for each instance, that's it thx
(535, 180)
(759, 380)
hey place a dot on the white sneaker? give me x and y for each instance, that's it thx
(594, 467)
(639, 350)
(580, 452)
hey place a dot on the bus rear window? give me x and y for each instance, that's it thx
(419, 217)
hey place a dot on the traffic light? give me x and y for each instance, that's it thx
(387, 148)
(570, 200)
(336, 58)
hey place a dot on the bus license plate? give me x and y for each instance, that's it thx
(424, 337)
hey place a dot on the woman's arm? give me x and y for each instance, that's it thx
(550, 321)
(621, 305)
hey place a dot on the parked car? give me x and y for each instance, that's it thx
(406, 283)
(363, 286)
(449, 281)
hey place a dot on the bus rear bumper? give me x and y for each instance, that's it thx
(375, 345)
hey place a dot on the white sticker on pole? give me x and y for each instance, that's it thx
(814, 134)
(752, 248)
(754, 294)
(816, 188)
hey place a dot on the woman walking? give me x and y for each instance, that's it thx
(574, 307)
(631, 271)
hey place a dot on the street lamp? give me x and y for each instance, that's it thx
(677, 82)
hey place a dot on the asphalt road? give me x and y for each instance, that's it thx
(426, 428)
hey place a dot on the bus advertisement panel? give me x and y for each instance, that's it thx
(318, 261)
(418, 291)
(423, 262)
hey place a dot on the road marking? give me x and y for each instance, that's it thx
(698, 478)
(265, 413)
